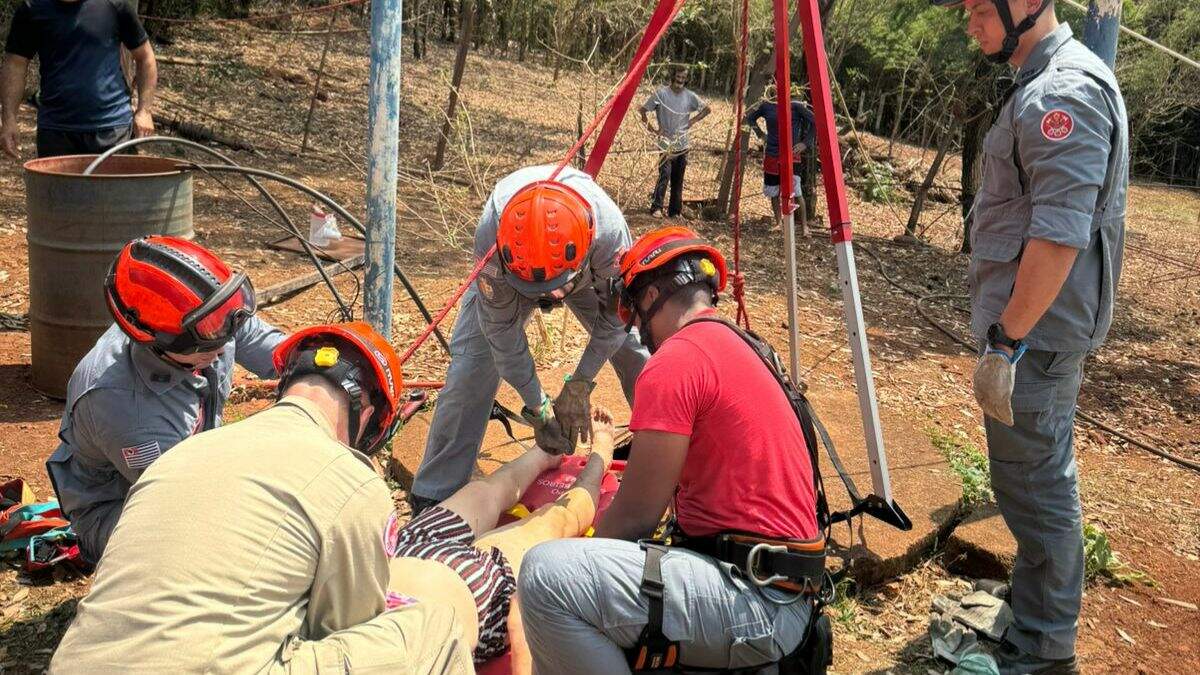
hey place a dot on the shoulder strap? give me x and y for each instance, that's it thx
(810, 424)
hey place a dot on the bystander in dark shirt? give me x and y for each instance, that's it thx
(803, 129)
(77, 44)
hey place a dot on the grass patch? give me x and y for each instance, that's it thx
(968, 463)
(844, 607)
(1101, 563)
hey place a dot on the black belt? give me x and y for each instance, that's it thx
(791, 564)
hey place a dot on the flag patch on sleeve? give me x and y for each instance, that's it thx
(141, 456)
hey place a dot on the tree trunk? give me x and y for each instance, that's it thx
(879, 113)
(756, 82)
(528, 15)
(914, 216)
(460, 64)
(972, 168)
(899, 116)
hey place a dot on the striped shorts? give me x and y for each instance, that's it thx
(443, 536)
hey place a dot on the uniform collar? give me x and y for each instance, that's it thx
(311, 410)
(1039, 58)
(158, 375)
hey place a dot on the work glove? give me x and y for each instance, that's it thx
(546, 430)
(994, 377)
(573, 409)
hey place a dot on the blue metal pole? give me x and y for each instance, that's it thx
(1100, 29)
(383, 130)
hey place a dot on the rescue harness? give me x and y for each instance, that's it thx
(796, 566)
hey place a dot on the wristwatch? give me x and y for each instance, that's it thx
(996, 337)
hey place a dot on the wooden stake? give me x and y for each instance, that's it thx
(312, 103)
(460, 64)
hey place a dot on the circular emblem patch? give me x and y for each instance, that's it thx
(1057, 125)
(391, 535)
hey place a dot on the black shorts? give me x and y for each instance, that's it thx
(55, 143)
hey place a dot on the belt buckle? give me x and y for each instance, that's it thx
(752, 561)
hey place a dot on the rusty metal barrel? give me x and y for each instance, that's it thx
(77, 224)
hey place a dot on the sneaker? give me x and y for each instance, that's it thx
(1013, 661)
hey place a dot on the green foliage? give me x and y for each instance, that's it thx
(968, 463)
(878, 184)
(844, 607)
(1101, 563)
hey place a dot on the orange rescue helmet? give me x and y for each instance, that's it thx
(674, 251)
(357, 359)
(176, 296)
(544, 236)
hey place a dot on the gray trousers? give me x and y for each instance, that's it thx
(1036, 485)
(581, 605)
(94, 527)
(465, 402)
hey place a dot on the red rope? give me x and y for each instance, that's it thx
(632, 77)
(739, 281)
(441, 315)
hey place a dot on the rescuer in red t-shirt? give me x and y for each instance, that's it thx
(714, 436)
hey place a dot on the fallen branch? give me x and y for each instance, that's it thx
(203, 134)
(273, 295)
(184, 61)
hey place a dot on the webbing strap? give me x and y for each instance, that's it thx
(653, 651)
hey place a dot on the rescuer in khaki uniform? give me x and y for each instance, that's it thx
(259, 546)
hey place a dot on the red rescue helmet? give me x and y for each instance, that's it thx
(176, 295)
(544, 236)
(676, 252)
(357, 359)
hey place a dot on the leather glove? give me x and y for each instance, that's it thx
(573, 410)
(546, 430)
(994, 377)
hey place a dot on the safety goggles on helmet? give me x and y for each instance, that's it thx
(214, 324)
(176, 296)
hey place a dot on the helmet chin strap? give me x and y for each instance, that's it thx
(673, 284)
(1012, 34)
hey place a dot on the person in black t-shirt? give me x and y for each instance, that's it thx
(84, 105)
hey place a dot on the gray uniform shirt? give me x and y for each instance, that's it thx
(126, 406)
(1056, 167)
(504, 310)
(673, 112)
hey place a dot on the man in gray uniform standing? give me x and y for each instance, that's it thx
(158, 375)
(1046, 258)
(557, 243)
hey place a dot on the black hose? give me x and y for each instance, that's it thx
(312, 256)
(343, 213)
(974, 349)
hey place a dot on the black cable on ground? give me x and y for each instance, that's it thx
(337, 208)
(968, 346)
(347, 313)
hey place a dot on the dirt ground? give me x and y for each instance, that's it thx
(1146, 380)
